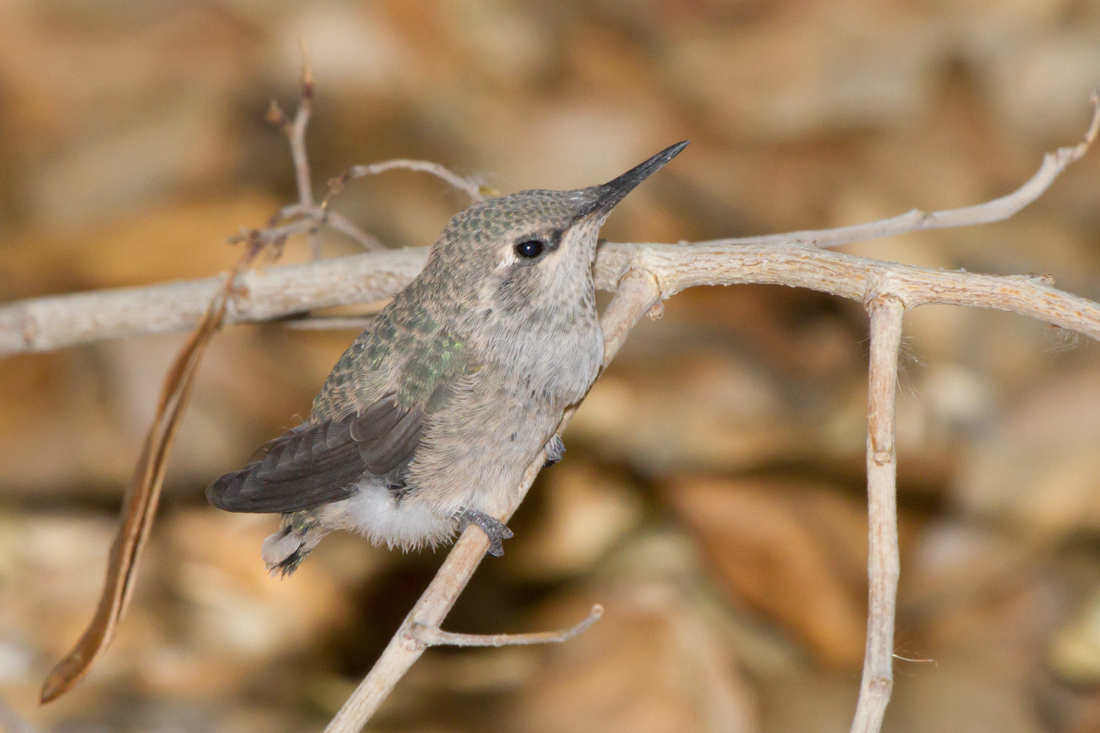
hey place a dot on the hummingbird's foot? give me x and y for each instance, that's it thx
(493, 528)
(555, 449)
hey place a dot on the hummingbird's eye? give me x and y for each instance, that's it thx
(529, 249)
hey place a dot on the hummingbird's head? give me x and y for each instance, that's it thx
(531, 249)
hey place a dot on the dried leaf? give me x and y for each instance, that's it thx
(140, 502)
(771, 554)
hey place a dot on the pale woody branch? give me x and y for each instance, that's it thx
(296, 135)
(424, 636)
(883, 566)
(45, 324)
(917, 220)
(467, 185)
(324, 215)
(55, 322)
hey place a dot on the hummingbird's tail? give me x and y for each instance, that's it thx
(284, 551)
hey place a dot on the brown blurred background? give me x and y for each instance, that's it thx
(712, 495)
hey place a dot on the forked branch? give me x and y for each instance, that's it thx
(55, 322)
(652, 274)
(44, 324)
(305, 216)
(296, 135)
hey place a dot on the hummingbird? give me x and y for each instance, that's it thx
(428, 421)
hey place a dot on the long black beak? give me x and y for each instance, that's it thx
(612, 192)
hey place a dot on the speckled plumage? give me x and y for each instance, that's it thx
(435, 411)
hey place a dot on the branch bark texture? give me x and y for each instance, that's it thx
(883, 565)
(55, 322)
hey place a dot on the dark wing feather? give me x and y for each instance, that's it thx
(319, 463)
(383, 452)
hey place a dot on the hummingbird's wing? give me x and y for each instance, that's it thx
(360, 430)
(318, 463)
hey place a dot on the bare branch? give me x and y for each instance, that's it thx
(917, 220)
(55, 322)
(325, 216)
(883, 563)
(346, 226)
(425, 636)
(468, 185)
(275, 235)
(43, 324)
(636, 295)
(296, 135)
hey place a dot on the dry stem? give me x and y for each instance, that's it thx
(425, 636)
(296, 135)
(917, 220)
(882, 557)
(468, 185)
(55, 322)
(312, 216)
(139, 504)
(322, 215)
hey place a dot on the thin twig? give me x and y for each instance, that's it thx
(296, 135)
(917, 220)
(471, 187)
(883, 565)
(636, 295)
(346, 226)
(426, 636)
(326, 216)
(274, 234)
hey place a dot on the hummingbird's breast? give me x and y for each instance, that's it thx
(551, 346)
(477, 447)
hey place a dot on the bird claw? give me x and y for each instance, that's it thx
(555, 450)
(493, 528)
